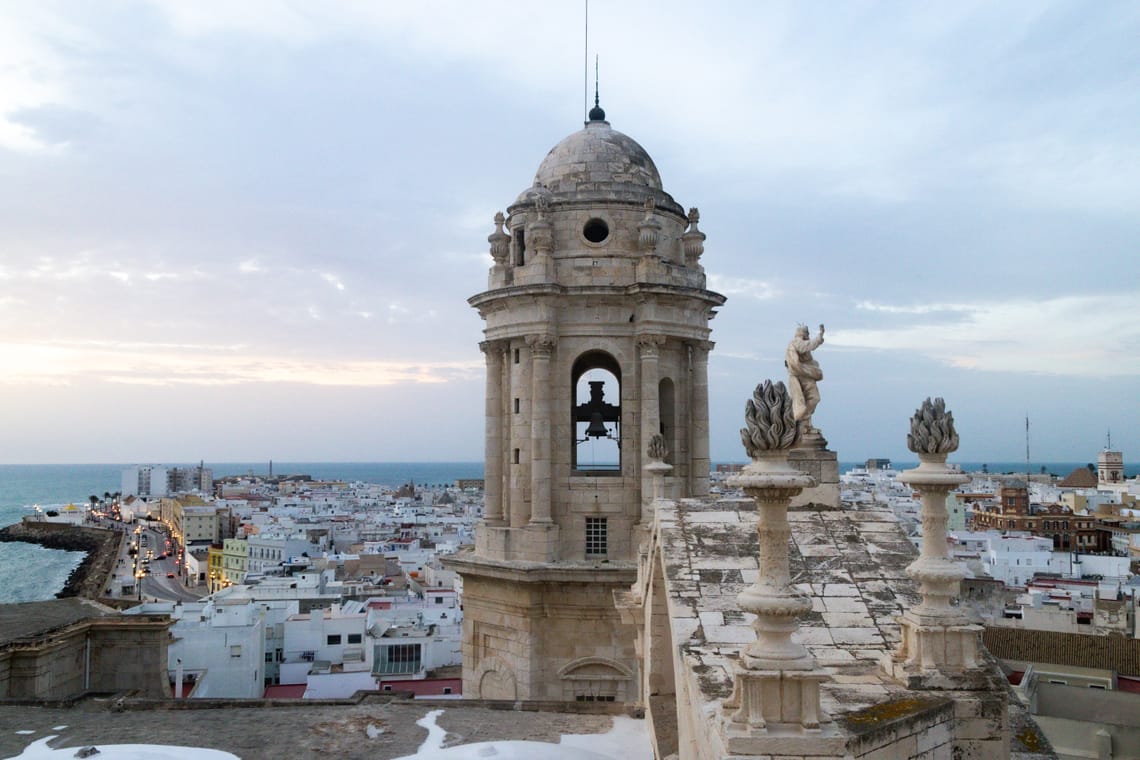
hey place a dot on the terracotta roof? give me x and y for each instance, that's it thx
(1073, 649)
(1082, 477)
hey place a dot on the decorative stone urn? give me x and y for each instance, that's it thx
(939, 645)
(776, 690)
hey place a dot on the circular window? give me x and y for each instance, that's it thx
(596, 230)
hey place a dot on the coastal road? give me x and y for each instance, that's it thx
(155, 584)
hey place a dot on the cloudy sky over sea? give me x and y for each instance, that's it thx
(247, 230)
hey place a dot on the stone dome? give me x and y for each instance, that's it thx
(598, 163)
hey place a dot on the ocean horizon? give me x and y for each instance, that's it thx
(33, 573)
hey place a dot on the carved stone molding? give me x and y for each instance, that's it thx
(650, 345)
(491, 347)
(541, 343)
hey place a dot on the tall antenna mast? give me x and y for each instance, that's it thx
(1027, 451)
(1110, 439)
(586, 64)
(596, 104)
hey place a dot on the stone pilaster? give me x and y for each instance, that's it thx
(493, 444)
(648, 347)
(699, 462)
(541, 347)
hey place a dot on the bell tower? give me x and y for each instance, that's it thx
(596, 339)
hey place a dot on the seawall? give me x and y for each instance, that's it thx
(89, 579)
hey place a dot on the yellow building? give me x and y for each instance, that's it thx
(214, 564)
(235, 560)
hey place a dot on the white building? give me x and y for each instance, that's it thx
(1013, 559)
(145, 480)
(221, 645)
(326, 649)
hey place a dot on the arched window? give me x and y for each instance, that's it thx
(596, 414)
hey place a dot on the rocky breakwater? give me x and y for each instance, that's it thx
(102, 547)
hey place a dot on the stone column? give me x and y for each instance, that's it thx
(648, 347)
(507, 410)
(939, 645)
(699, 463)
(541, 347)
(518, 431)
(776, 690)
(493, 443)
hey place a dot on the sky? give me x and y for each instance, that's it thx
(247, 231)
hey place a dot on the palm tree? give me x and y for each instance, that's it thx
(93, 499)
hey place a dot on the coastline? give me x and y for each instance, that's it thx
(100, 545)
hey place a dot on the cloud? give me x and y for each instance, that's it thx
(166, 364)
(728, 285)
(1078, 335)
(913, 308)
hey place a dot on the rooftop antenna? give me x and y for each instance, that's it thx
(596, 80)
(1027, 451)
(1109, 439)
(586, 64)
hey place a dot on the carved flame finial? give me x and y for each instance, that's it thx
(932, 429)
(771, 423)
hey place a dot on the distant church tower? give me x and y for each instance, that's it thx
(597, 337)
(1110, 465)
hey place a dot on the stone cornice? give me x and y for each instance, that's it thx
(488, 297)
(533, 572)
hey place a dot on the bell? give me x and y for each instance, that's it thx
(597, 428)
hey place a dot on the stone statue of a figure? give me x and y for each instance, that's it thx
(803, 374)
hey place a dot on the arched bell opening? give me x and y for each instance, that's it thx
(596, 414)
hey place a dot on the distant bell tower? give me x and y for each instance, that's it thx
(597, 338)
(1109, 465)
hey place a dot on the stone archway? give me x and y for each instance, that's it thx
(495, 680)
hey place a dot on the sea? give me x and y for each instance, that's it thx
(31, 573)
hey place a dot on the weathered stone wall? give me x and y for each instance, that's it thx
(918, 726)
(103, 655)
(541, 640)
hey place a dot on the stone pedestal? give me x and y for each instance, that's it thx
(822, 466)
(939, 644)
(656, 470)
(775, 701)
(777, 713)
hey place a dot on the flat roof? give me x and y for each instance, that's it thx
(28, 620)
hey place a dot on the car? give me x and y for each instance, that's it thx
(170, 575)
